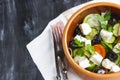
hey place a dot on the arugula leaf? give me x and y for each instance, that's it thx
(100, 18)
(103, 19)
(103, 26)
(107, 16)
(90, 49)
(110, 29)
(78, 43)
(107, 44)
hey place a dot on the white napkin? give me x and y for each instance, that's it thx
(41, 48)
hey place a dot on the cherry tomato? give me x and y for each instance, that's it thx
(100, 49)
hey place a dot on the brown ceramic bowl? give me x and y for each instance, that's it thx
(68, 32)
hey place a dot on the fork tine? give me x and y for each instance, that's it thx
(61, 53)
(56, 55)
(59, 41)
(57, 35)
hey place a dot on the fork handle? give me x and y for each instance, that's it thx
(64, 69)
(65, 76)
(58, 77)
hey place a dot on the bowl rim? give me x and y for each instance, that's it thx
(64, 39)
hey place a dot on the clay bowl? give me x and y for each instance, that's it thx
(68, 32)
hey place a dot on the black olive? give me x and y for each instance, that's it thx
(97, 39)
(113, 20)
(77, 31)
(100, 70)
(71, 44)
(111, 55)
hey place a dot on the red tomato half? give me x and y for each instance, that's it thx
(100, 49)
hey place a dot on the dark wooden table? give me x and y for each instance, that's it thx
(20, 22)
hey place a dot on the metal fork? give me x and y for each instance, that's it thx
(59, 54)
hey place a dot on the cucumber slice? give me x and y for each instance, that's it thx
(116, 29)
(107, 36)
(79, 52)
(87, 17)
(91, 35)
(92, 20)
(111, 40)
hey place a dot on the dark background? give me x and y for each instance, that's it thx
(20, 22)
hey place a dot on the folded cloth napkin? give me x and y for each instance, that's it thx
(41, 48)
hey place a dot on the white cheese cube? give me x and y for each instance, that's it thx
(116, 48)
(85, 28)
(115, 68)
(110, 65)
(107, 63)
(106, 35)
(77, 37)
(82, 39)
(96, 58)
(82, 61)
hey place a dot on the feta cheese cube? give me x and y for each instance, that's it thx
(82, 61)
(110, 65)
(107, 63)
(82, 39)
(85, 28)
(96, 58)
(106, 35)
(115, 68)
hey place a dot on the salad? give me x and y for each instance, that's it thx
(95, 45)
